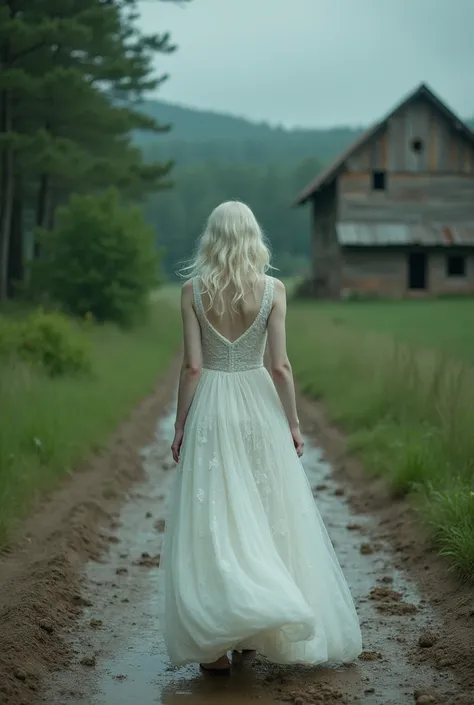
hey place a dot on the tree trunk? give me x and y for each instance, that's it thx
(42, 208)
(16, 274)
(52, 212)
(6, 193)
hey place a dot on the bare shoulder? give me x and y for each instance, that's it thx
(279, 297)
(187, 292)
(279, 286)
(279, 290)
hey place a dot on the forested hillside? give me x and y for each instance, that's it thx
(218, 157)
(198, 136)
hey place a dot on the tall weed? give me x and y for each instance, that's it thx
(409, 413)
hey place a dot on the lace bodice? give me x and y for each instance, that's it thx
(245, 353)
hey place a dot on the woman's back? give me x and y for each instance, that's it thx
(234, 340)
(236, 318)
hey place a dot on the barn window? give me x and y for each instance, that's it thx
(456, 266)
(378, 181)
(417, 145)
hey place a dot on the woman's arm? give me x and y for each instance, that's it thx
(190, 368)
(280, 365)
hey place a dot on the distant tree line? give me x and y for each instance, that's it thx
(277, 149)
(178, 215)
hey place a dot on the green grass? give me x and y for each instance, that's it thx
(399, 378)
(443, 324)
(49, 425)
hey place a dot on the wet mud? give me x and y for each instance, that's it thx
(116, 648)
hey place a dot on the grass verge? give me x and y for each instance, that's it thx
(49, 425)
(409, 413)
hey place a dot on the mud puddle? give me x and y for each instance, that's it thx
(119, 655)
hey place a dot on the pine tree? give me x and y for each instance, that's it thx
(71, 73)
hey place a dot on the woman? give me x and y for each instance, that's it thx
(248, 563)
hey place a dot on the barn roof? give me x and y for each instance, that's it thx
(326, 176)
(386, 234)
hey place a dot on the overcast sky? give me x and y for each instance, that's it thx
(315, 63)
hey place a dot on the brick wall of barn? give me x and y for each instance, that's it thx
(384, 272)
(440, 282)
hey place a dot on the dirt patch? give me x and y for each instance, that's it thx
(453, 648)
(40, 585)
(390, 602)
(148, 561)
(399, 608)
(367, 549)
(159, 525)
(385, 594)
(322, 695)
(370, 656)
(427, 640)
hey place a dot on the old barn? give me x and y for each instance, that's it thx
(394, 214)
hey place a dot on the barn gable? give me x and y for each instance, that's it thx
(416, 138)
(421, 135)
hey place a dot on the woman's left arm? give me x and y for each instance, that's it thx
(190, 368)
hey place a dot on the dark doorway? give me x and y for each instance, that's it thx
(417, 268)
(379, 181)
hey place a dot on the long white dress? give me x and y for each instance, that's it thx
(248, 562)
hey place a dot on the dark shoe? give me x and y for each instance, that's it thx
(216, 670)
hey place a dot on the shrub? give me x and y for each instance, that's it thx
(49, 426)
(8, 337)
(48, 339)
(100, 259)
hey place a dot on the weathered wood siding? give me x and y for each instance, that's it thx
(383, 272)
(326, 271)
(374, 272)
(445, 150)
(408, 198)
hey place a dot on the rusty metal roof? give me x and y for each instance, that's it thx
(334, 169)
(392, 234)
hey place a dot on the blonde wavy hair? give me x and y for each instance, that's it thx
(231, 253)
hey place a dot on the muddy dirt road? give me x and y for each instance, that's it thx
(113, 652)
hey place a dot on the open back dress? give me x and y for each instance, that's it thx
(248, 562)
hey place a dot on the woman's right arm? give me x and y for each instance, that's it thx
(190, 368)
(280, 365)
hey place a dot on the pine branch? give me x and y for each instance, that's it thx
(39, 45)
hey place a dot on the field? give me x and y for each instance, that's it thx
(399, 377)
(444, 325)
(50, 425)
